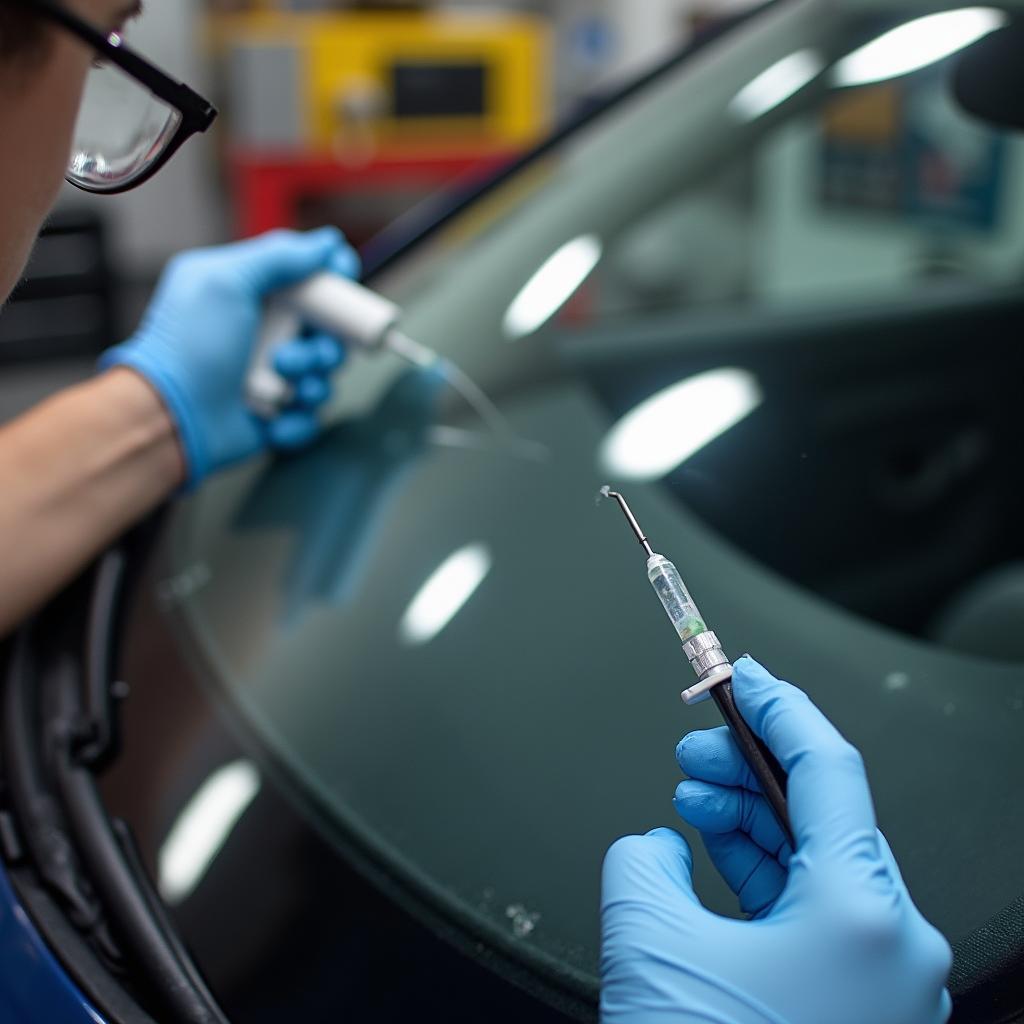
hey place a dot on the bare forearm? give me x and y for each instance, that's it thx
(74, 473)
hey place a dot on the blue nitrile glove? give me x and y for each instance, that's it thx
(834, 937)
(195, 343)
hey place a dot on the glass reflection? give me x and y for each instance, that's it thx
(776, 84)
(748, 258)
(203, 827)
(359, 464)
(444, 593)
(916, 44)
(666, 429)
(551, 287)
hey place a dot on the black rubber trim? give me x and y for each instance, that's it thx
(41, 862)
(88, 876)
(987, 980)
(97, 743)
(106, 993)
(127, 897)
(160, 959)
(133, 861)
(38, 818)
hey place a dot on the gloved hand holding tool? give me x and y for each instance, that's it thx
(195, 343)
(833, 936)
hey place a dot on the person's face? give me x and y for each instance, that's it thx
(39, 97)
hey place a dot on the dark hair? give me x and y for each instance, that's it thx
(21, 32)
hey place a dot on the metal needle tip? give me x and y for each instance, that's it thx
(630, 518)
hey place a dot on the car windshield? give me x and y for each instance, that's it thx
(773, 296)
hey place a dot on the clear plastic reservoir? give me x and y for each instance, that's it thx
(675, 598)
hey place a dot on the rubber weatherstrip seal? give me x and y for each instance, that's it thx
(115, 872)
(987, 980)
(57, 722)
(39, 858)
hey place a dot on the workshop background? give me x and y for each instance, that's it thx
(815, 270)
(313, 131)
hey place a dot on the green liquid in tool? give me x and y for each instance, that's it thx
(675, 598)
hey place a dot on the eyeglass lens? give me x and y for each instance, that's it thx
(122, 128)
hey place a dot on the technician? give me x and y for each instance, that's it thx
(833, 937)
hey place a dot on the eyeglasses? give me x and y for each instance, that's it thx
(133, 116)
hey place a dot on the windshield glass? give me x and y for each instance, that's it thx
(773, 297)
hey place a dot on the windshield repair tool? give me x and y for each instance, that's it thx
(361, 318)
(712, 667)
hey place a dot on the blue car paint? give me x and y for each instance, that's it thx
(34, 988)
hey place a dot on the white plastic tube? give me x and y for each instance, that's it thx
(328, 302)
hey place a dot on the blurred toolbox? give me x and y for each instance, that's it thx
(358, 81)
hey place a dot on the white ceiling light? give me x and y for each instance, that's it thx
(202, 828)
(916, 44)
(551, 287)
(444, 593)
(664, 430)
(776, 84)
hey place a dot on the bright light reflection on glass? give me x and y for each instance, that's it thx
(551, 287)
(776, 84)
(202, 828)
(916, 44)
(444, 593)
(664, 430)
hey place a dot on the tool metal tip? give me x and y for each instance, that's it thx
(607, 492)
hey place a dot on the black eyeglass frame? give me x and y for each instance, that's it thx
(196, 113)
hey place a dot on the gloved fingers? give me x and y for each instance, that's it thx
(311, 391)
(829, 798)
(292, 429)
(945, 1010)
(723, 809)
(280, 258)
(294, 359)
(345, 261)
(655, 868)
(929, 957)
(315, 353)
(650, 917)
(890, 859)
(330, 353)
(712, 755)
(753, 874)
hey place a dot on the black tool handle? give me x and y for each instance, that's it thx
(767, 770)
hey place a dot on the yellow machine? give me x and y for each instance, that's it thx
(316, 81)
